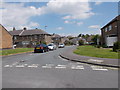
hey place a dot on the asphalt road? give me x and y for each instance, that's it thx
(48, 70)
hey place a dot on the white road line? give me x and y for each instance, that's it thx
(99, 68)
(77, 67)
(46, 67)
(15, 63)
(33, 66)
(60, 67)
(8, 66)
(20, 66)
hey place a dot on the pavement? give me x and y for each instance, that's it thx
(69, 55)
(49, 70)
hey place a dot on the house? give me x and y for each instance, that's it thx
(56, 39)
(5, 38)
(110, 33)
(30, 38)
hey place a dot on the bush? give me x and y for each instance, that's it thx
(81, 42)
(98, 46)
(68, 43)
(43, 42)
(116, 46)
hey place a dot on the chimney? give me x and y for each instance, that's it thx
(14, 29)
(24, 28)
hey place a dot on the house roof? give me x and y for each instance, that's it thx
(115, 19)
(56, 35)
(28, 32)
(16, 32)
(5, 29)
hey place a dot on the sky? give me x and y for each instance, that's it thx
(64, 18)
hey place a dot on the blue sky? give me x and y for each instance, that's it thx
(60, 18)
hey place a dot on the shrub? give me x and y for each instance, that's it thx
(116, 46)
(43, 42)
(68, 43)
(98, 46)
(81, 42)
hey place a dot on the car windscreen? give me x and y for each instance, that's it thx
(41, 45)
(50, 45)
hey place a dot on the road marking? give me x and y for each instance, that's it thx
(8, 66)
(99, 68)
(77, 67)
(20, 66)
(46, 67)
(33, 66)
(15, 63)
(60, 66)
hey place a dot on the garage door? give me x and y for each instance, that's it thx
(110, 41)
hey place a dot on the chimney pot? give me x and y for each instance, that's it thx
(24, 28)
(14, 29)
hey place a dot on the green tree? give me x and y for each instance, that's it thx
(95, 38)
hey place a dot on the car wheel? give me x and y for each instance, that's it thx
(43, 51)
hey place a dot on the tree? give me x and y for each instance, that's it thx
(81, 42)
(95, 38)
(80, 35)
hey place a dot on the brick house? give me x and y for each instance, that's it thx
(5, 38)
(110, 33)
(56, 39)
(25, 38)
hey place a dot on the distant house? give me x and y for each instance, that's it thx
(5, 38)
(25, 38)
(111, 32)
(56, 39)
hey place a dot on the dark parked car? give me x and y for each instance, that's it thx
(41, 48)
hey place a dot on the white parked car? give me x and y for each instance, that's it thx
(61, 45)
(52, 46)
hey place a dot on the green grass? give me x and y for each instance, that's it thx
(96, 52)
(14, 51)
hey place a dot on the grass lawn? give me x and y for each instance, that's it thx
(14, 51)
(96, 52)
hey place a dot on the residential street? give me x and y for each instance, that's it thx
(48, 70)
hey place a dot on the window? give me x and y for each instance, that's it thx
(110, 27)
(15, 37)
(106, 29)
(35, 36)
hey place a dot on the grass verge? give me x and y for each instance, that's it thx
(96, 52)
(15, 51)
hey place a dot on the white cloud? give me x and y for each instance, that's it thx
(16, 15)
(94, 27)
(79, 23)
(66, 22)
(98, 3)
(70, 9)
(73, 22)
(59, 28)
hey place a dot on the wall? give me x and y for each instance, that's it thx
(5, 39)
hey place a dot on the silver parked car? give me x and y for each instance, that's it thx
(52, 46)
(61, 45)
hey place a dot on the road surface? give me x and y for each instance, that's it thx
(48, 70)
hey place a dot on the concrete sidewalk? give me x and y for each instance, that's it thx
(69, 55)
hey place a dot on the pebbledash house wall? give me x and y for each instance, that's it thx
(115, 30)
(5, 38)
